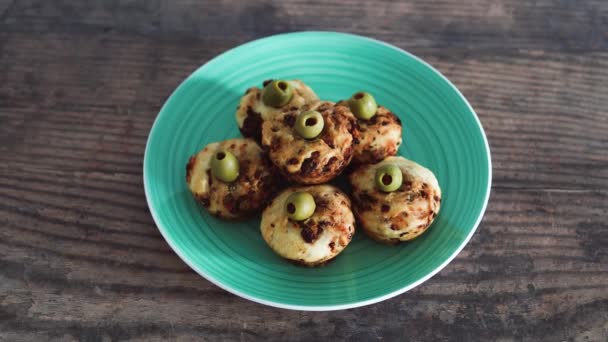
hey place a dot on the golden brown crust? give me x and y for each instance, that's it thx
(376, 138)
(396, 216)
(318, 239)
(311, 161)
(252, 112)
(257, 182)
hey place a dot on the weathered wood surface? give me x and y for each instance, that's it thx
(82, 81)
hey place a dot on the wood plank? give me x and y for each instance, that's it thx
(549, 269)
(526, 107)
(483, 24)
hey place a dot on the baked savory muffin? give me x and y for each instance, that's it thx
(378, 133)
(309, 225)
(395, 200)
(255, 108)
(302, 156)
(232, 178)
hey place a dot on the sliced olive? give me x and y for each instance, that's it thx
(225, 166)
(277, 93)
(300, 205)
(363, 105)
(309, 124)
(388, 178)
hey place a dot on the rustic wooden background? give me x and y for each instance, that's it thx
(82, 81)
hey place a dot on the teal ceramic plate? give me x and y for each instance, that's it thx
(441, 131)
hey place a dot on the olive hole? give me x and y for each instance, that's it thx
(358, 96)
(282, 85)
(291, 208)
(310, 122)
(387, 179)
(220, 155)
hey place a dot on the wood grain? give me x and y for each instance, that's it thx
(81, 83)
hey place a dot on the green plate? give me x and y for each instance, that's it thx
(441, 131)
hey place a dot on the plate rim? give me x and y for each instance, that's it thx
(355, 304)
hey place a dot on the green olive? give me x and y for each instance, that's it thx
(309, 124)
(300, 206)
(277, 93)
(388, 178)
(363, 105)
(225, 166)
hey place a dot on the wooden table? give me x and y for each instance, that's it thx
(82, 81)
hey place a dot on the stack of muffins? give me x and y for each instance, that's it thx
(294, 144)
